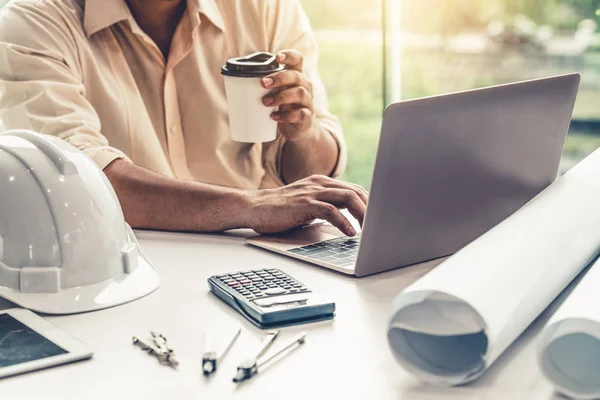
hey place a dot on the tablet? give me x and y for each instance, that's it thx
(28, 343)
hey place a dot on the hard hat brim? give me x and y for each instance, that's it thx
(112, 292)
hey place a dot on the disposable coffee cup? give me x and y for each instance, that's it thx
(249, 119)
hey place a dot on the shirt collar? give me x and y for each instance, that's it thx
(209, 9)
(100, 14)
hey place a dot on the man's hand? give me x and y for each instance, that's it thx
(316, 197)
(292, 92)
(309, 149)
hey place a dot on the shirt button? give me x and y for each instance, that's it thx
(174, 129)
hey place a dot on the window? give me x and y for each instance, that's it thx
(349, 33)
(450, 45)
(440, 46)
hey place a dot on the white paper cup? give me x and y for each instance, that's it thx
(249, 119)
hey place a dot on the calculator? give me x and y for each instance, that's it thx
(269, 298)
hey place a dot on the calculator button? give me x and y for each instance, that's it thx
(245, 281)
(234, 283)
(303, 289)
(226, 280)
(287, 287)
(269, 278)
(294, 290)
(237, 276)
(273, 270)
(222, 276)
(274, 291)
(296, 285)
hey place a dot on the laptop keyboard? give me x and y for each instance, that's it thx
(340, 251)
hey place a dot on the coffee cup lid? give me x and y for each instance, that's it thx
(254, 65)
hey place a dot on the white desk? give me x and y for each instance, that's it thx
(347, 358)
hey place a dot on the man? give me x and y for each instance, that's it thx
(136, 85)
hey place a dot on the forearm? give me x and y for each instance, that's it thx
(316, 155)
(153, 201)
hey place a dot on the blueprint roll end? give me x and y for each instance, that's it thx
(438, 338)
(569, 357)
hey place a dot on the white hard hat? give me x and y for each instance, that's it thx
(64, 244)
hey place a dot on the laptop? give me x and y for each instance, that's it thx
(448, 169)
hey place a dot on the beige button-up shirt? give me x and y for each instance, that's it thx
(83, 70)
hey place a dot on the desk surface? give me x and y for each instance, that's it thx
(347, 358)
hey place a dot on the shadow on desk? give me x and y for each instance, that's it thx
(384, 287)
(6, 305)
(190, 237)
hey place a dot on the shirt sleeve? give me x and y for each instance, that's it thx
(41, 87)
(289, 28)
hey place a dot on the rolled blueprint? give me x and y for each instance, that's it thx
(569, 345)
(452, 324)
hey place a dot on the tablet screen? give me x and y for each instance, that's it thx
(20, 344)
